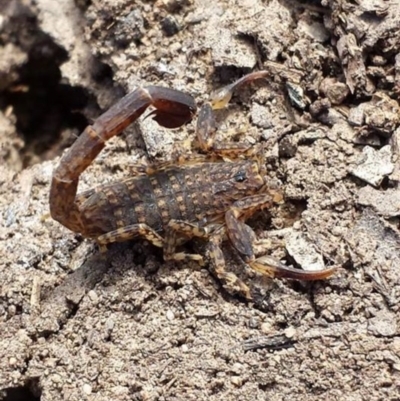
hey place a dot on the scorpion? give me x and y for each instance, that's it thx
(208, 195)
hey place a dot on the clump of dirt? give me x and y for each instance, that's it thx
(77, 325)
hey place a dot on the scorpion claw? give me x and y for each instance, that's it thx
(168, 120)
(172, 108)
(273, 268)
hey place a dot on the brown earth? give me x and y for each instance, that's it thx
(77, 326)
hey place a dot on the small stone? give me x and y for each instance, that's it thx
(290, 332)
(357, 115)
(335, 91)
(237, 368)
(236, 381)
(12, 310)
(303, 251)
(296, 95)
(382, 114)
(386, 203)
(266, 328)
(12, 361)
(378, 60)
(396, 345)
(170, 315)
(110, 323)
(87, 389)
(314, 30)
(93, 296)
(319, 106)
(373, 165)
(129, 28)
(383, 324)
(253, 323)
(170, 26)
(396, 366)
(287, 147)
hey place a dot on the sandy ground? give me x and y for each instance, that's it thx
(78, 326)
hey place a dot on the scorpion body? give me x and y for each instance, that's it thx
(202, 192)
(206, 196)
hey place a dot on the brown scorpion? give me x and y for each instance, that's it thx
(207, 195)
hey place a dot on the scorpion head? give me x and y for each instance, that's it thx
(236, 180)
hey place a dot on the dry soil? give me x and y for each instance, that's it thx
(78, 326)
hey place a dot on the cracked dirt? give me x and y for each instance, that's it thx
(77, 326)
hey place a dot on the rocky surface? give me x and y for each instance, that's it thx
(75, 325)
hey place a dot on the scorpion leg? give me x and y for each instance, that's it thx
(205, 131)
(221, 97)
(179, 160)
(229, 280)
(177, 228)
(129, 232)
(206, 125)
(242, 238)
(172, 109)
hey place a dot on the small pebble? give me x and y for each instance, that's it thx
(87, 389)
(373, 165)
(12, 361)
(384, 324)
(93, 296)
(170, 26)
(290, 332)
(396, 366)
(237, 368)
(253, 323)
(236, 381)
(170, 315)
(266, 328)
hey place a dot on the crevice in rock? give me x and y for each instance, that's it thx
(28, 392)
(45, 107)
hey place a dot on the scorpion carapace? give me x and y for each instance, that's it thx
(207, 195)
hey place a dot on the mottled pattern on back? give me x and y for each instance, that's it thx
(194, 193)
